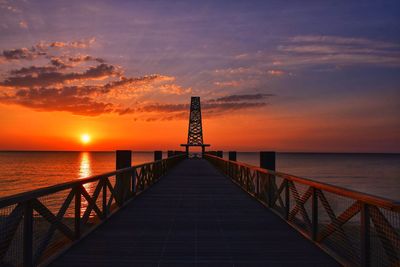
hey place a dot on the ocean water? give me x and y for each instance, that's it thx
(376, 174)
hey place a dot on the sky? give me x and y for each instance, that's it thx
(301, 76)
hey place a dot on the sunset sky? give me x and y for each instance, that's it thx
(320, 76)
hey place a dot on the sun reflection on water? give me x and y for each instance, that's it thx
(84, 168)
(85, 171)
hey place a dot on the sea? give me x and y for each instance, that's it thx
(375, 174)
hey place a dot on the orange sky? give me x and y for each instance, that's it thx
(25, 129)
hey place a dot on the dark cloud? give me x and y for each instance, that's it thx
(44, 48)
(209, 109)
(66, 99)
(32, 70)
(157, 107)
(22, 53)
(82, 58)
(238, 98)
(85, 43)
(44, 78)
(79, 100)
(58, 62)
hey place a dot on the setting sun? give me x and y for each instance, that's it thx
(85, 138)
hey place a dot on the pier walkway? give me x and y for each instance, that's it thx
(194, 216)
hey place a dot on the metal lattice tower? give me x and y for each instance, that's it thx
(195, 133)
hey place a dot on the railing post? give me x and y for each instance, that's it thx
(267, 161)
(77, 220)
(314, 214)
(232, 155)
(365, 235)
(122, 181)
(28, 235)
(157, 155)
(170, 153)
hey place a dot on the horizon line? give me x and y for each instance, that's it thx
(148, 151)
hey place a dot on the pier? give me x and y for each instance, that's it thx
(193, 212)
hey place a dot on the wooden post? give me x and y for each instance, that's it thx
(220, 154)
(157, 155)
(267, 161)
(232, 155)
(28, 235)
(122, 182)
(170, 153)
(365, 235)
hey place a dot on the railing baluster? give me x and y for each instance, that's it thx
(77, 221)
(365, 235)
(133, 181)
(28, 234)
(369, 206)
(105, 211)
(314, 214)
(287, 199)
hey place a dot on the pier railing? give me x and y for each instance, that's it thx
(353, 227)
(36, 226)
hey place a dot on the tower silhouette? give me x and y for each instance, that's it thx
(195, 131)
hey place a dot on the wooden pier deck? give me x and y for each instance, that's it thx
(194, 217)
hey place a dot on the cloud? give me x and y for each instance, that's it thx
(314, 50)
(174, 89)
(276, 72)
(33, 70)
(23, 24)
(338, 40)
(44, 78)
(50, 87)
(210, 108)
(228, 83)
(21, 53)
(82, 84)
(85, 43)
(238, 71)
(88, 100)
(42, 49)
(45, 99)
(238, 98)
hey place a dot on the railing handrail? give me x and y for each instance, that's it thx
(357, 195)
(39, 192)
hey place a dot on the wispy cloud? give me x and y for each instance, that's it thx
(238, 98)
(276, 72)
(311, 50)
(210, 107)
(23, 24)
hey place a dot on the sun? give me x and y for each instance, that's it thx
(85, 138)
